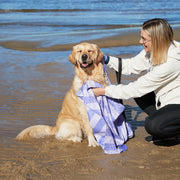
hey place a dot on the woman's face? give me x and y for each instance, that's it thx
(145, 40)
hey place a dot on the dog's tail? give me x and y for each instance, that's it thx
(38, 131)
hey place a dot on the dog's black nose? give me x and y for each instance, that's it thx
(84, 57)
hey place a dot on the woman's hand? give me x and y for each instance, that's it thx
(98, 91)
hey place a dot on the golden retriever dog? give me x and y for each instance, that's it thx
(73, 122)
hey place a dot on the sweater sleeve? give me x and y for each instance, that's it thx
(157, 77)
(133, 65)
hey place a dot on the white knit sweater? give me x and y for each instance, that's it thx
(163, 79)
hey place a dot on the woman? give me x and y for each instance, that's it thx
(158, 91)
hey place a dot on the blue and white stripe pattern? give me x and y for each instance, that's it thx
(109, 127)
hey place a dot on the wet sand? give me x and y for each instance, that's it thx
(125, 38)
(35, 96)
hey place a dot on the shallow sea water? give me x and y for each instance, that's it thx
(71, 21)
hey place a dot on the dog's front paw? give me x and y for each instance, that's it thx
(92, 141)
(75, 139)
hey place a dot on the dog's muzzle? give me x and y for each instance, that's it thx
(84, 57)
(85, 63)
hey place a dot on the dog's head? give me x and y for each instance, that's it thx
(85, 55)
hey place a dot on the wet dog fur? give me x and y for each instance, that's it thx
(73, 122)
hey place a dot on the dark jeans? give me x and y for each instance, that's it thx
(162, 123)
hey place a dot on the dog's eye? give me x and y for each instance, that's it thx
(90, 51)
(80, 51)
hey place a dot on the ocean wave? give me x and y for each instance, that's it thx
(133, 11)
(42, 10)
(51, 24)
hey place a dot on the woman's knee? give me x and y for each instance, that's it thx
(147, 103)
(164, 122)
(153, 127)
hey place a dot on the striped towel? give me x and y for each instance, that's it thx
(105, 117)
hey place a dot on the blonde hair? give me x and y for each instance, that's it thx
(161, 35)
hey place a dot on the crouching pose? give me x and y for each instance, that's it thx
(158, 91)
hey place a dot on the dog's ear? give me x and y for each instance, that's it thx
(72, 57)
(99, 56)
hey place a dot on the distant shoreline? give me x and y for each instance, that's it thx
(126, 38)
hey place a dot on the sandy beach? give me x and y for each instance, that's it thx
(49, 158)
(125, 38)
